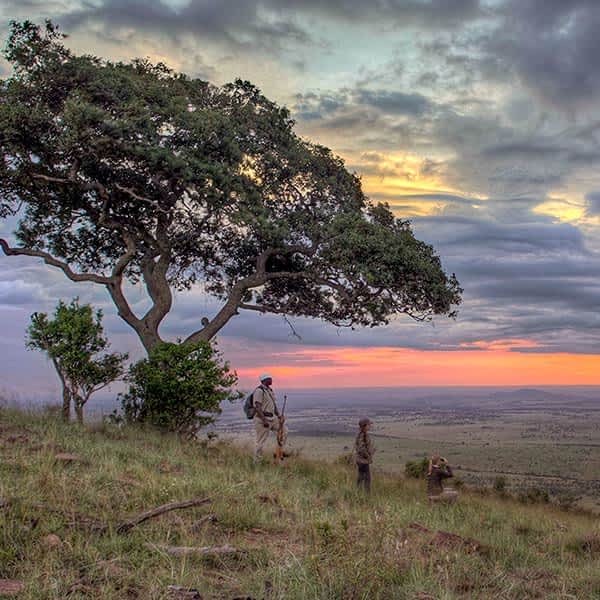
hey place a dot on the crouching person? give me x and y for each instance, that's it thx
(364, 451)
(439, 470)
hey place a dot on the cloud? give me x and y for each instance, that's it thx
(552, 47)
(347, 107)
(237, 23)
(395, 103)
(593, 204)
(225, 16)
(20, 293)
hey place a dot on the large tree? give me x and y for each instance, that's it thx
(133, 172)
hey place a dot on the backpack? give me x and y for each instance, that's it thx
(249, 408)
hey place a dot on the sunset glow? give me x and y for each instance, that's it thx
(389, 367)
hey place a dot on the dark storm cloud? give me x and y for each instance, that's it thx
(344, 107)
(571, 295)
(552, 46)
(524, 275)
(238, 23)
(395, 103)
(228, 16)
(523, 148)
(426, 13)
(466, 232)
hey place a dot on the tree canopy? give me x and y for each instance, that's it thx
(134, 172)
(74, 341)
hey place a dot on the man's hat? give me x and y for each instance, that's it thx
(364, 422)
(265, 376)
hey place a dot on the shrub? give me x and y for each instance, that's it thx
(500, 485)
(568, 500)
(417, 469)
(346, 459)
(534, 495)
(178, 387)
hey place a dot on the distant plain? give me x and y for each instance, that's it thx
(544, 438)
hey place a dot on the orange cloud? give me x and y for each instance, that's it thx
(511, 344)
(370, 367)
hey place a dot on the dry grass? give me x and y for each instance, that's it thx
(303, 530)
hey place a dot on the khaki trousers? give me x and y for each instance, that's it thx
(448, 496)
(262, 435)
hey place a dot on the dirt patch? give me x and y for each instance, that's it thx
(167, 467)
(17, 439)
(451, 541)
(269, 499)
(68, 458)
(11, 587)
(278, 541)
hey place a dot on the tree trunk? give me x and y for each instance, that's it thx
(79, 409)
(157, 285)
(66, 406)
(66, 394)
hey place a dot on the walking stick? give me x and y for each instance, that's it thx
(280, 438)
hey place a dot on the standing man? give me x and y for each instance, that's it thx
(363, 453)
(267, 417)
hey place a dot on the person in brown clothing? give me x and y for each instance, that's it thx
(364, 451)
(267, 417)
(439, 470)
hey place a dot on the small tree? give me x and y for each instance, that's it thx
(73, 339)
(179, 387)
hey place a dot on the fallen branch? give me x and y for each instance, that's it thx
(191, 550)
(160, 510)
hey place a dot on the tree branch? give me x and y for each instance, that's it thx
(139, 198)
(126, 257)
(51, 260)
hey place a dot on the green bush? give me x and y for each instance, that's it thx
(417, 469)
(346, 459)
(568, 500)
(500, 484)
(534, 495)
(179, 387)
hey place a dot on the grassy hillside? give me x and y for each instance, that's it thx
(302, 531)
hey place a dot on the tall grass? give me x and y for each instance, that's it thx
(305, 531)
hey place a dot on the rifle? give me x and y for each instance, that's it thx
(280, 434)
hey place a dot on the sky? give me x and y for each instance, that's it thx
(478, 120)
